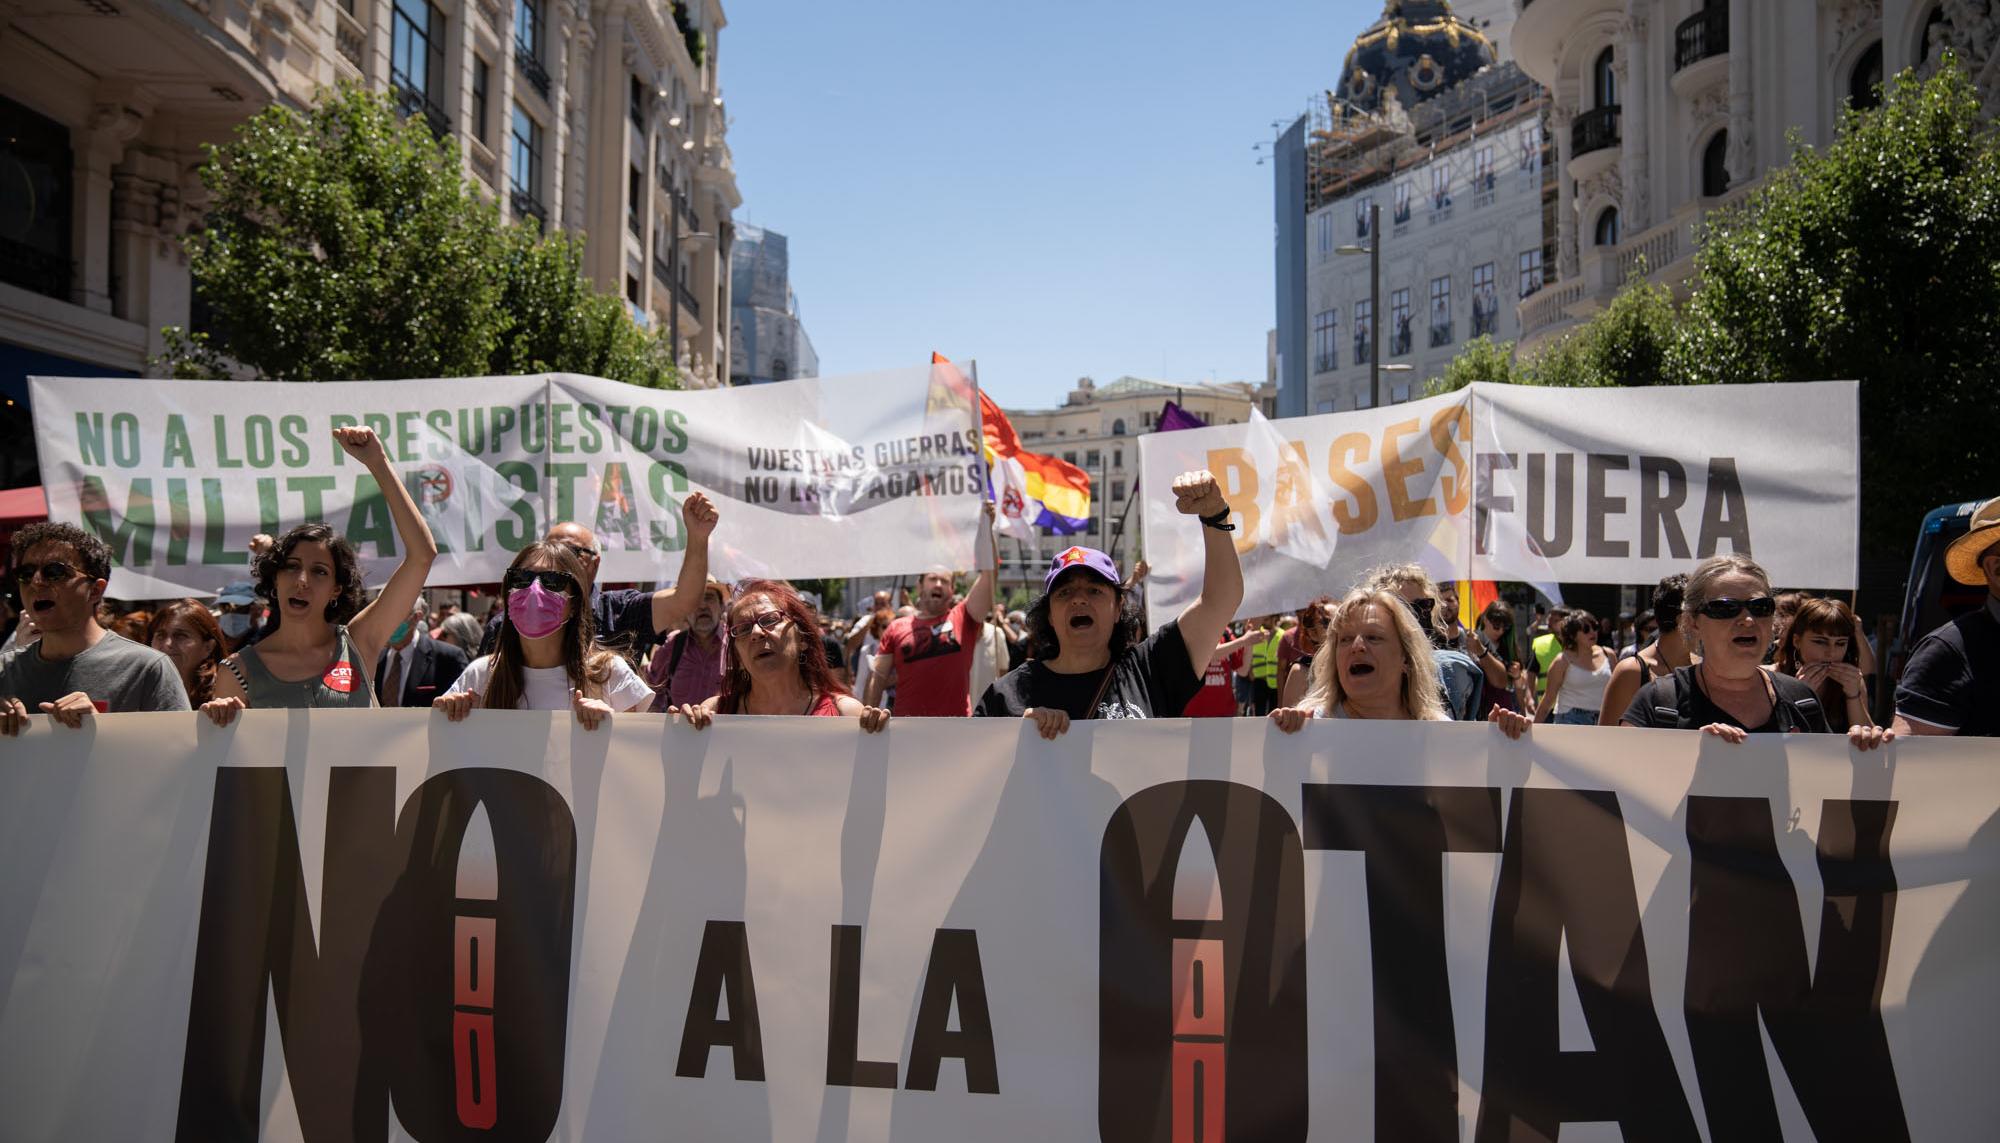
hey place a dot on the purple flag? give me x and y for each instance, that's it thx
(1173, 418)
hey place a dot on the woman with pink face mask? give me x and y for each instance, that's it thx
(547, 657)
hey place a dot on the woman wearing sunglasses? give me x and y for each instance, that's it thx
(774, 662)
(547, 657)
(322, 639)
(1729, 610)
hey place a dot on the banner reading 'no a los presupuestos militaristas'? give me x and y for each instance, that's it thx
(864, 475)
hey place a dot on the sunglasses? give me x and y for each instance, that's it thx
(1762, 607)
(769, 621)
(581, 552)
(518, 578)
(53, 572)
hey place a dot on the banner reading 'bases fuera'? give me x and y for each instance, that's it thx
(1513, 482)
(863, 475)
(375, 925)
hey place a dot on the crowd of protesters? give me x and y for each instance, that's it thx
(1719, 651)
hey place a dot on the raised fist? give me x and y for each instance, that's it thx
(360, 443)
(699, 514)
(1197, 494)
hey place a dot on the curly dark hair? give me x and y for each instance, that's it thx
(347, 600)
(1043, 643)
(90, 550)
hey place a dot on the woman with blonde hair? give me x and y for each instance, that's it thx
(1377, 663)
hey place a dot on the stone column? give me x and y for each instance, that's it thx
(1634, 126)
(1560, 118)
(1742, 157)
(97, 148)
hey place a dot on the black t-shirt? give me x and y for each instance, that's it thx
(836, 650)
(1953, 679)
(1151, 680)
(1676, 702)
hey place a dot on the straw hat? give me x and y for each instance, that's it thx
(1961, 559)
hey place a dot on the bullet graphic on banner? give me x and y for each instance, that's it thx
(473, 954)
(1199, 1030)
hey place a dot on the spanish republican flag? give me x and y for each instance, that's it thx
(1045, 491)
(1029, 490)
(1474, 596)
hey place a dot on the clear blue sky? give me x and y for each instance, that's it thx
(1058, 188)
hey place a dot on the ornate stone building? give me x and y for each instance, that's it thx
(1432, 126)
(1664, 109)
(601, 116)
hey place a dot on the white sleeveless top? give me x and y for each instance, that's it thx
(1584, 690)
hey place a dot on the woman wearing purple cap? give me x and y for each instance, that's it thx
(1088, 660)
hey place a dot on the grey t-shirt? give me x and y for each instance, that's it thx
(120, 676)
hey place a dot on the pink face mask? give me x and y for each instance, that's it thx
(535, 611)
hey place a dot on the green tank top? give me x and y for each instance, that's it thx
(344, 684)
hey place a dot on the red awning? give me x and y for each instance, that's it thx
(23, 505)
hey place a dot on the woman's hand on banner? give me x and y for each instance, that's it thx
(1869, 737)
(1726, 732)
(1290, 718)
(873, 719)
(1512, 723)
(1052, 724)
(456, 706)
(222, 711)
(589, 711)
(696, 715)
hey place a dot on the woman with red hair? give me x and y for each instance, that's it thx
(774, 662)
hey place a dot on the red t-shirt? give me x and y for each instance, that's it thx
(1218, 690)
(933, 659)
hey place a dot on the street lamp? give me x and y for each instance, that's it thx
(1374, 252)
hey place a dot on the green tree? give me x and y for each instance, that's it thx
(1876, 259)
(1629, 343)
(343, 241)
(1482, 359)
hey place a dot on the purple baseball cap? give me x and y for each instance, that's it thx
(1088, 558)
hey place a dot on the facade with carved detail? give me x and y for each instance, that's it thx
(600, 116)
(1665, 109)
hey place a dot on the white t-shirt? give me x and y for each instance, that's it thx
(547, 688)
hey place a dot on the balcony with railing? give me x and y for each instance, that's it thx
(1399, 337)
(1701, 49)
(350, 40)
(1440, 334)
(1593, 142)
(411, 102)
(688, 301)
(531, 69)
(528, 206)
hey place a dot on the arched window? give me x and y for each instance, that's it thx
(1607, 227)
(1605, 80)
(1715, 166)
(1864, 83)
(1932, 35)
(779, 370)
(1118, 427)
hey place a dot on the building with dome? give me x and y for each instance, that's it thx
(1432, 123)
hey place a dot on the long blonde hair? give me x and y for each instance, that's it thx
(1423, 697)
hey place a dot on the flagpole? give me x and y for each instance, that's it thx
(986, 489)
